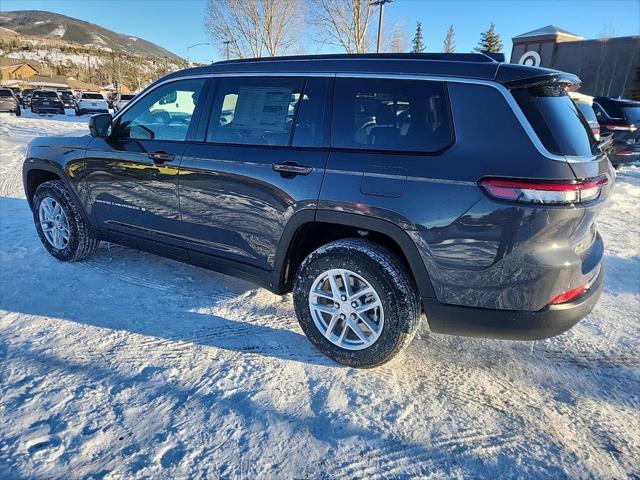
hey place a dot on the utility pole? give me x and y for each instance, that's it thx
(226, 46)
(380, 3)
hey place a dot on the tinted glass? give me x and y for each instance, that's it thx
(45, 94)
(556, 120)
(587, 112)
(385, 114)
(632, 114)
(126, 97)
(312, 118)
(5, 93)
(254, 111)
(93, 96)
(163, 114)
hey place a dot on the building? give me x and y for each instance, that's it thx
(607, 66)
(21, 71)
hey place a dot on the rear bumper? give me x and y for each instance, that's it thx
(47, 109)
(509, 324)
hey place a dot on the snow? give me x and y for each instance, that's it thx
(134, 366)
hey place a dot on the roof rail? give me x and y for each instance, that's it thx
(454, 57)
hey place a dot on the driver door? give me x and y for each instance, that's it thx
(132, 175)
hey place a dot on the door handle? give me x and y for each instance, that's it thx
(291, 169)
(161, 157)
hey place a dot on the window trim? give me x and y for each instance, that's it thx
(388, 151)
(504, 91)
(202, 135)
(195, 118)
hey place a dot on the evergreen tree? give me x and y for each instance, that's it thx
(449, 42)
(489, 41)
(418, 43)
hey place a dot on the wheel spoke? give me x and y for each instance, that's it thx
(343, 334)
(368, 323)
(323, 294)
(368, 306)
(319, 307)
(358, 331)
(331, 326)
(334, 286)
(346, 282)
(362, 292)
(64, 233)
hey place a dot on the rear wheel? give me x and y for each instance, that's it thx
(61, 228)
(356, 302)
(18, 112)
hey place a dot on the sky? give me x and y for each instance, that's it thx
(176, 24)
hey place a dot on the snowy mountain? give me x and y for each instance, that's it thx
(53, 26)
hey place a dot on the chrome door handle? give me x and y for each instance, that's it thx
(161, 157)
(291, 169)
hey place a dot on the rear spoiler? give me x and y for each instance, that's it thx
(569, 81)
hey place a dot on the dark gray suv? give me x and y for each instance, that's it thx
(375, 187)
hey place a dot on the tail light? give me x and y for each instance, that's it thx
(627, 153)
(545, 192)
(596, 132)
(621, 128)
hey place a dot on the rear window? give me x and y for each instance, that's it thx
(561, 127)
(587, 112)
(5, 93)
(92, 96)
(126, 97)
(44, 94)
(632, 114)
(387, 114)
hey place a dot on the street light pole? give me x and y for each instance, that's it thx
(194, 45)
(226, 45)
(380, 3)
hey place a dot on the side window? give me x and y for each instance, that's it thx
(387, 114)
(254, 111)
(163, 114)
(312, 119)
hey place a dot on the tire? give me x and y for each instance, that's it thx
(18, 112)
(78, 113)
(81, 243)
(61, 112)
(392, 285)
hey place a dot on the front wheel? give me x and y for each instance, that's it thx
(356, 302)
(18, 112)
(60, 226)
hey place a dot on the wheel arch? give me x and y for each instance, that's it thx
(308, 230)
(36, 173)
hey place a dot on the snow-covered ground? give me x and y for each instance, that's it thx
(133, 366)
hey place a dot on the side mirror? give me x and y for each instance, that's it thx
(100, 125)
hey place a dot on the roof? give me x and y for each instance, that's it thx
(465, 65)
(12, 68)
(7, 61)
(548, 31)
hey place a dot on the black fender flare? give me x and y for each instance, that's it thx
(389, 229)
(55, 168)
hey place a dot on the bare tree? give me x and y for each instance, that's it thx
(254, 28)
(345, 23)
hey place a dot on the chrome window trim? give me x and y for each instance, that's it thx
(533, 136)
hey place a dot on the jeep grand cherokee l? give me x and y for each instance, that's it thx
(375, 187)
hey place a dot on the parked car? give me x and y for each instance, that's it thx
(8, 102)
(26, 96)
(489, 231)
(121, 101)
(91, 103)
(626, 149)
(617, 115)
(68, 99)
(46, 101)
(585, 105)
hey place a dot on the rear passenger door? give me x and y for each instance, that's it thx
(388, 137)
(260, 161)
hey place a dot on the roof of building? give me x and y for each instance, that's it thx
(549, 30)
(13, 68)
(43, 80)
(7, 61)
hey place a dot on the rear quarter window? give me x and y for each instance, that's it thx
(390, 114)
(556, 120)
